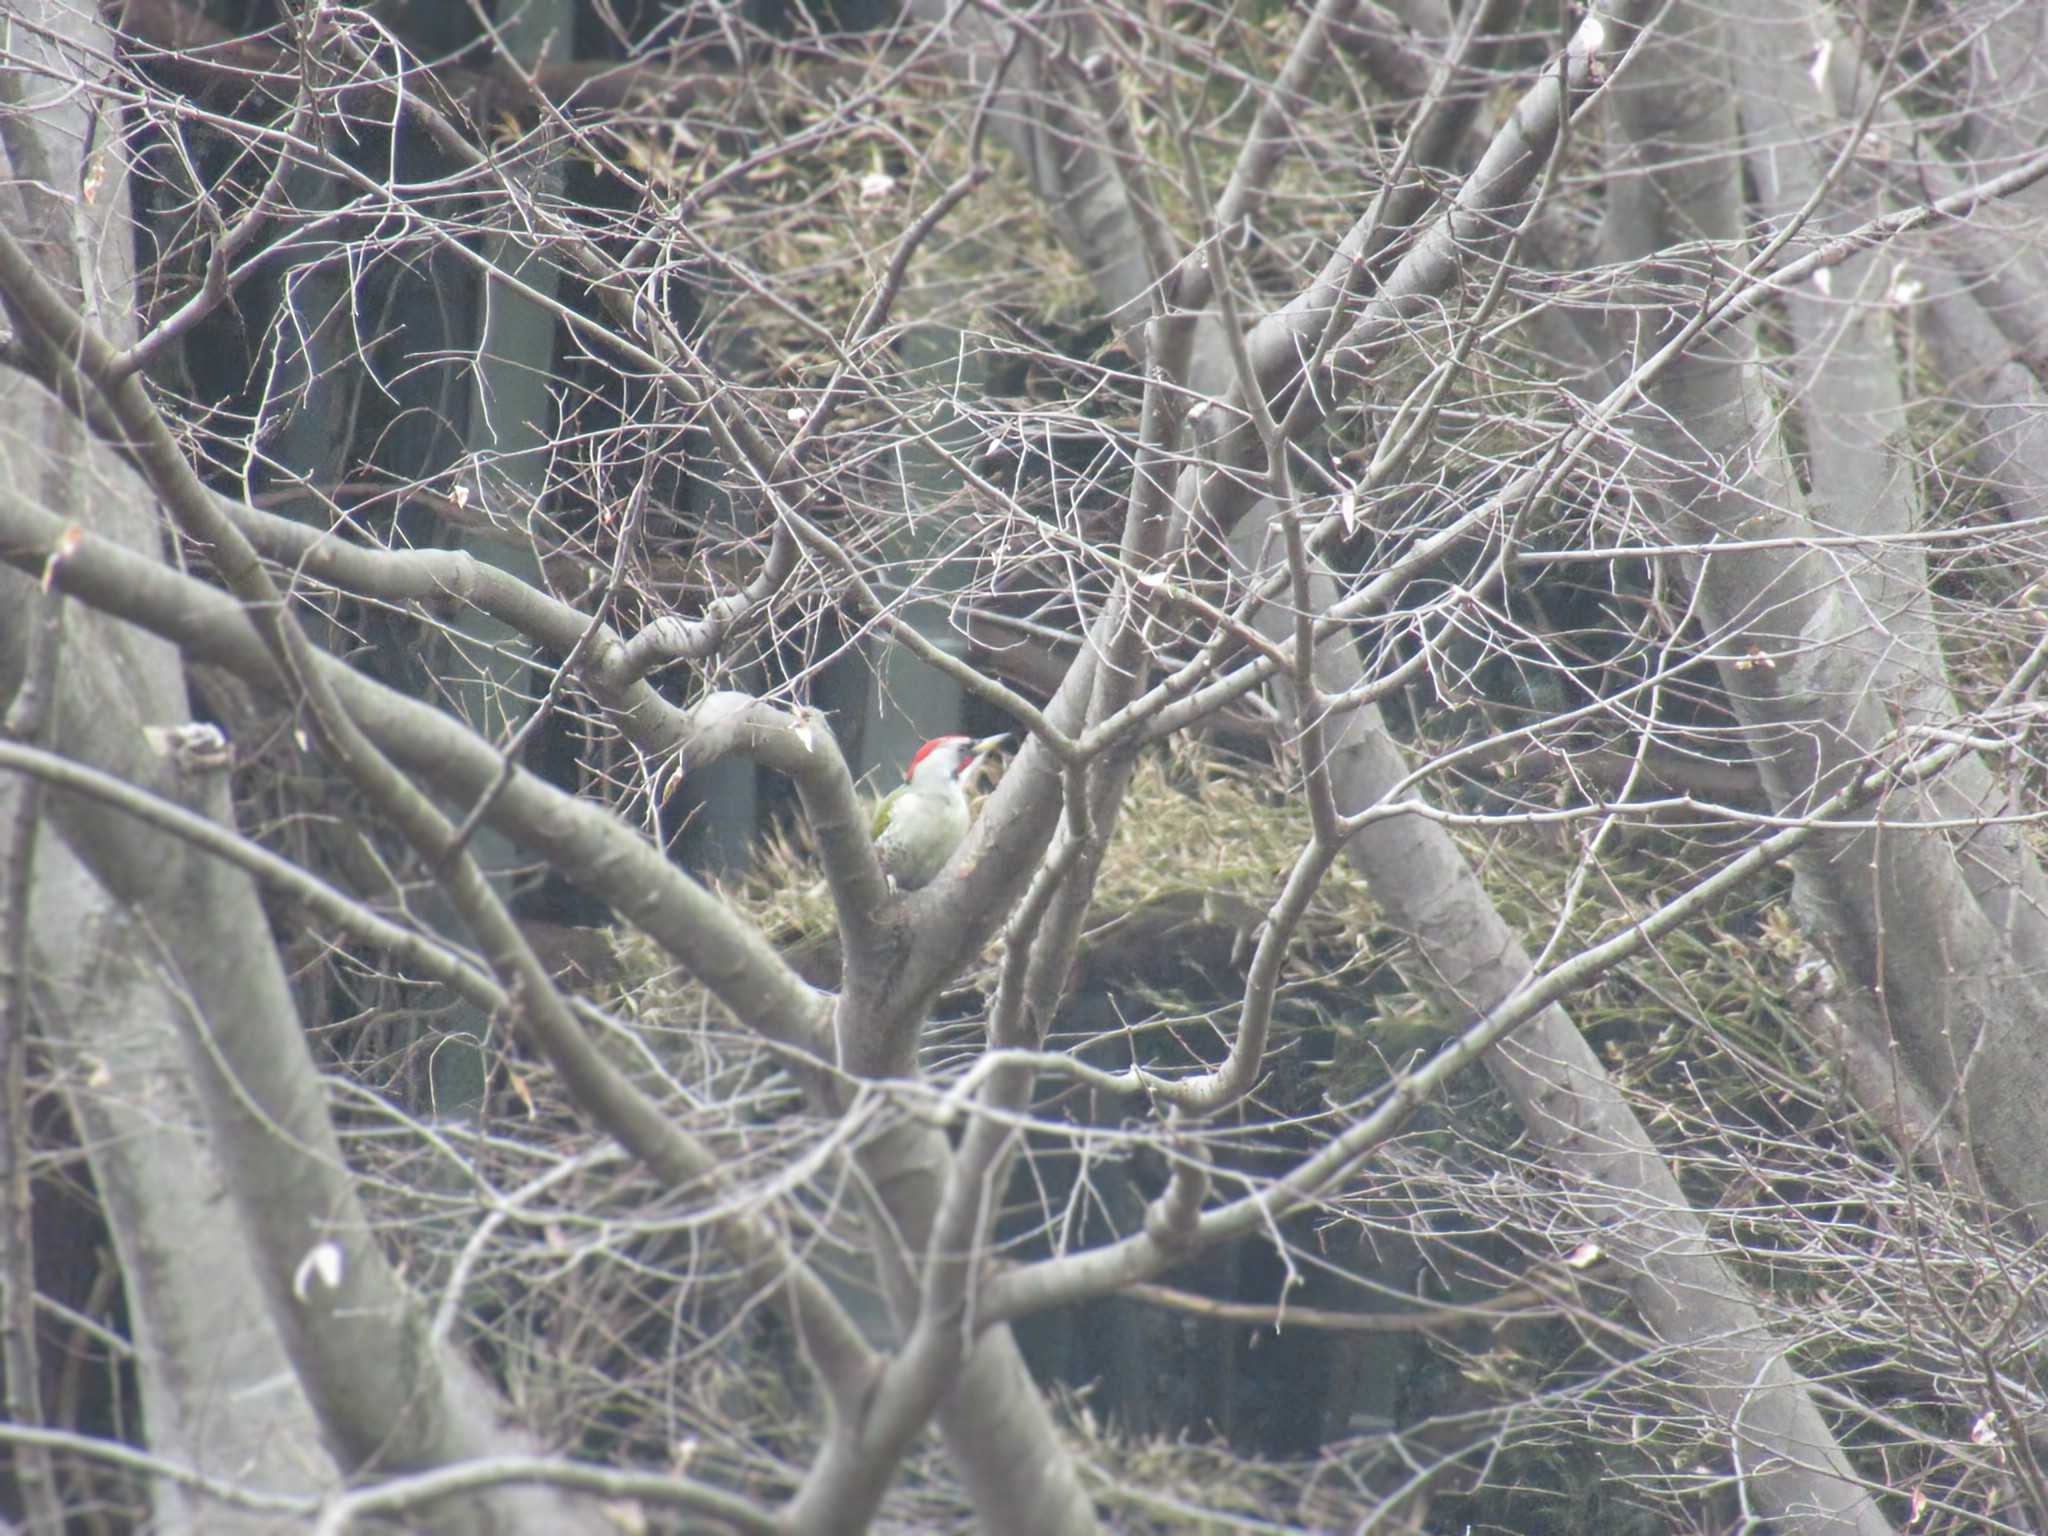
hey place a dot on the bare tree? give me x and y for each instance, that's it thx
(1511, 542)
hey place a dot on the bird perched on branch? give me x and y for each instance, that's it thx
(921, 822)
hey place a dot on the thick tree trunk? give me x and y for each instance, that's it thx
(217, 1389)
(218, 1392)
(1725, 1348)
(355, 1337)
(1824, 691)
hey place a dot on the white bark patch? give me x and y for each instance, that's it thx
(322, 1265)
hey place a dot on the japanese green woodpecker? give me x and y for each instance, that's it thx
(922, 820)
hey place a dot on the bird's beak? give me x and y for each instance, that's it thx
(987, 744)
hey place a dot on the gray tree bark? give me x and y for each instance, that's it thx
(1831, 672)
(354, 1337)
